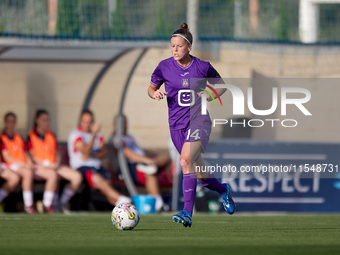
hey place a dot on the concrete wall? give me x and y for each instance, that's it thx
(24, 88)
(61, 88)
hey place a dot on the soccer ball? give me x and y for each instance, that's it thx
(125, 216)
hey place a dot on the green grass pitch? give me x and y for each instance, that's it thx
(157, 234)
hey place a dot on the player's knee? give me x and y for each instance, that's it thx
(27, 173)
(53, 176)
(185, 163)
(13, 182)
(77, 179)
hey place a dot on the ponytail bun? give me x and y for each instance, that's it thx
(184, 27)
(184, 30)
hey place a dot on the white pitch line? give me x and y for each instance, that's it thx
(271, 156)
(10, 218)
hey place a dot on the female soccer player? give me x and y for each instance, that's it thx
(189, 129)
(15, 155)
(43, 148)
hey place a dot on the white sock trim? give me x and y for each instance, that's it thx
(28, 198)
(66, 196)
(48, 198)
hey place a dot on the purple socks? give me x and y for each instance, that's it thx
(189, 191)
(213, 184)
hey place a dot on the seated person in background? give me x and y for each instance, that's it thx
(86, 147)
(144, 165)
(43, 148)
(11, 181)
(15, 155)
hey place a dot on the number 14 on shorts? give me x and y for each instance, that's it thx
(194, 134)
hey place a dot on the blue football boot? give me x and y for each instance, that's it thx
(183, 217)
(228, 202)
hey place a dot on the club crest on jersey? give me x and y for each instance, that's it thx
(185, 83)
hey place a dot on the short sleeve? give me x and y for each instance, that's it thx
(157, 77)
(212, 75)
(101, 139)
(77, 139)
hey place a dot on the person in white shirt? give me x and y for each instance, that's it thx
(86, 148)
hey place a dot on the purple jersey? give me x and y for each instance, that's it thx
(181, 89)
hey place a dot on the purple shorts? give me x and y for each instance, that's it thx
(196, 131)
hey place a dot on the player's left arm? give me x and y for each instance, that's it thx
(213, 77)
(220, 91)
(55, 165)
(57, 162)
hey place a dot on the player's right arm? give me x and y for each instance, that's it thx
(86, 149)
(155, 93)
(5, 155)
(30, 155)
(7, 158)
